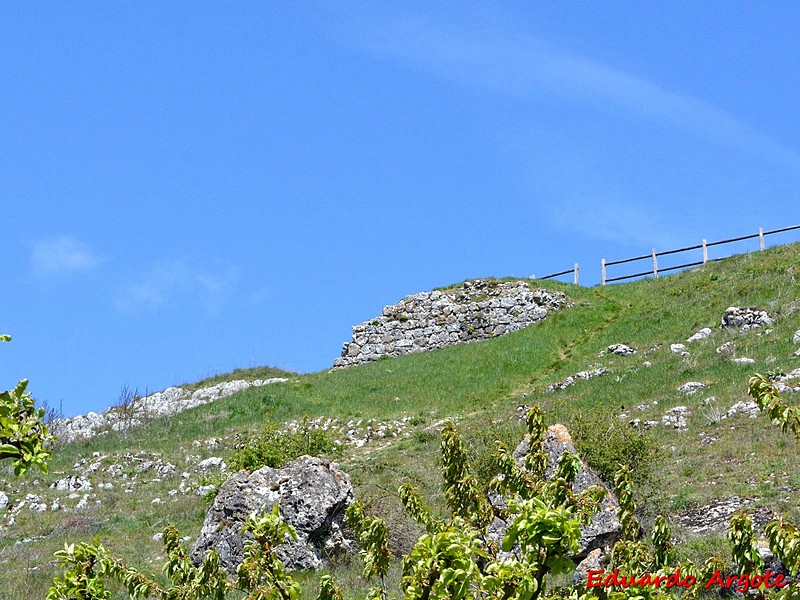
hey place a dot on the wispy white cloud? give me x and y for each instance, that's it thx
(62, 255)
(523, 66)
(177, 281)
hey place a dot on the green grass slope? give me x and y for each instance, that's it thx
(481, 385)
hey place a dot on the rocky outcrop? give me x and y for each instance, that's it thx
(745, 318)
(621, 350)
(605, 528)
(167, 402)
(590, 373)
(474, 310)
(700, 335)
(312, 495)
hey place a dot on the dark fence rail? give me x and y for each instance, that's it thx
(654, 271)
(573, 270)
(604, 279)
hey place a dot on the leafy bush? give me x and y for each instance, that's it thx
(606, 443)
(274, 447)
(481, 445)
(23, 434)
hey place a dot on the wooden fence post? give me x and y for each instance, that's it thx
(655, 264)
(603, 270)
(761, 237)
(705, 253)
(576, 273)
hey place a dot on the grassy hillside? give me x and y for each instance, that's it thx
(481, 385)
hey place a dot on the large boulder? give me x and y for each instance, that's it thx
(312, 494)
(604, 528)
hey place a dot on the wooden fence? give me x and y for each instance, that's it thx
(653, 256)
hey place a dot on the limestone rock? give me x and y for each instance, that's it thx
(796, 337)
(164, 403)
(747, 407)
(604, 528)
(621, 350)
(312, 495)
(676, 418)
(702, 334)
(592, 562)
(745, 318)
(3, 501)
(590, 373)
(727, 348)
(72, 483)
(214, 462)
(677, 348)
(690, 387)
(744, 361)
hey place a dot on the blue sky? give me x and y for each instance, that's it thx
(186, 188)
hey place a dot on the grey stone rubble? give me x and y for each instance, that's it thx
(572, 379)
(727, 348)
(603, 530)
(621, 350)
(3, 500)
(796, 337)
(474, 310)
(784, 383)
(747, 407)
(677, 348)
(167, 402)
(690, 387)
(676, 418)
(715, 517)
(702, 334)
(356, 432)
(745, 318)
(72, 483)
(312, 495)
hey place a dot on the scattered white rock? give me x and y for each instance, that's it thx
(676, 418)
(214, 462)
(748, 408)
(72, 483)
(796, 337)
(727, 348)
(3, 501)
(647, 363)
(690, 387)
(205, 489)
(165, 403)
(157, 537)
(677, 348)
(744, 361)
(155, 501)
(621, 350)
(572, 379)
(702, 334)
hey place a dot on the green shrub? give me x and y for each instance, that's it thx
(274, 447)
(606, 443)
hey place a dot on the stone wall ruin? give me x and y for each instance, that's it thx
(474, 310)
